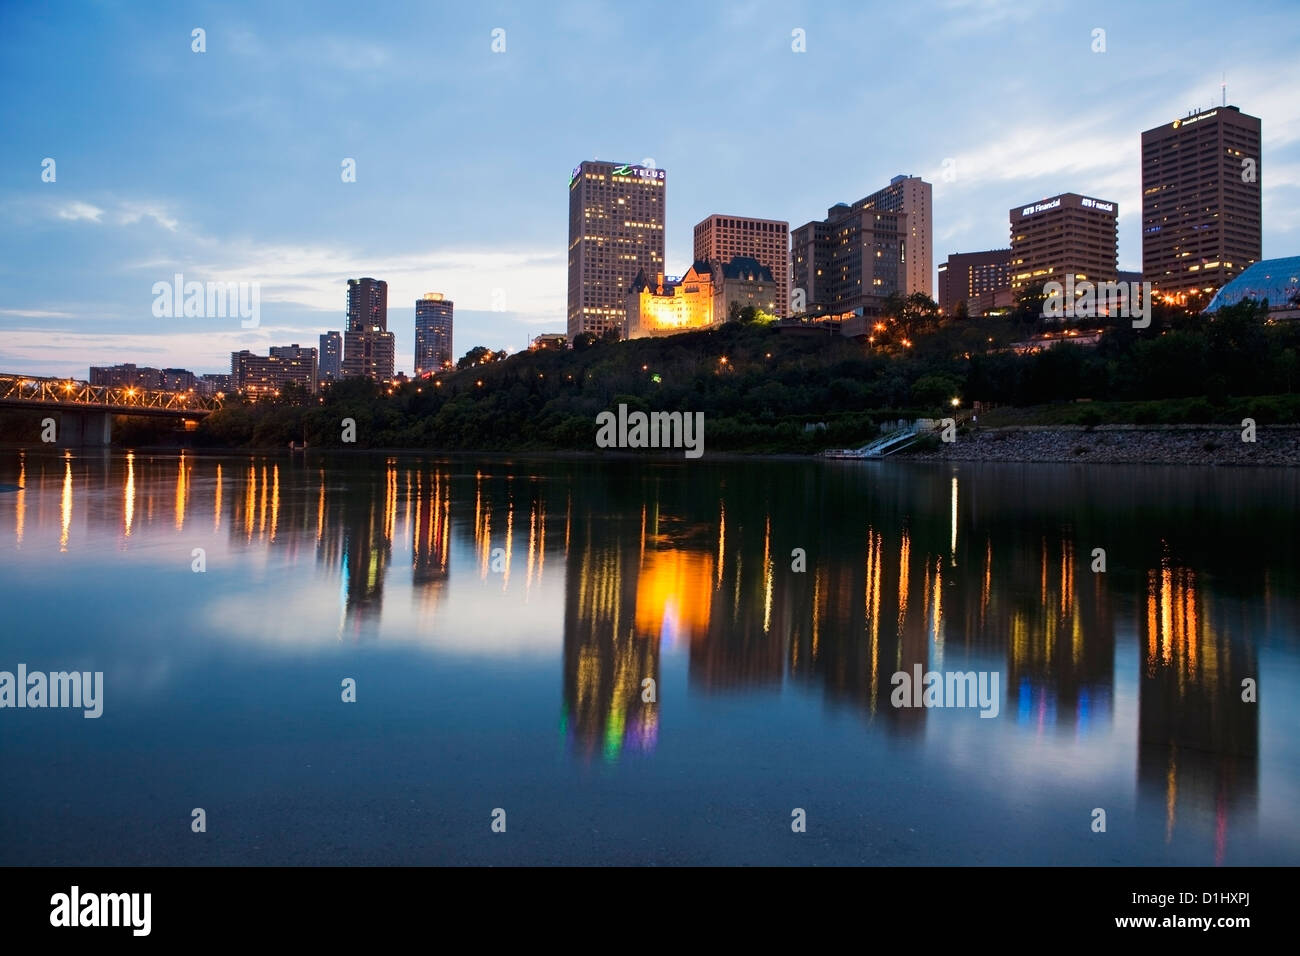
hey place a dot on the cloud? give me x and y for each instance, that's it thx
(125, 212)
(529, 282)
(74, 211)
(37, 314)
(130, 213)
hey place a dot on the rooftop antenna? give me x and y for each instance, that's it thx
(1224, 86)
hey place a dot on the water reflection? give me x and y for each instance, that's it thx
(810, 579)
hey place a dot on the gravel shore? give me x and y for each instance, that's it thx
(1127, 444)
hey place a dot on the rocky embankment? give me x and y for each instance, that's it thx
(1116, 444)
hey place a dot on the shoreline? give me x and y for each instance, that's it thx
(1206, 445)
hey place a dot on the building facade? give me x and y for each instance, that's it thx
(433, 325)
(1201, 208)
(555, 341)
(864, 252)
(261, 375)
(741, 282)
(331, 356)
(1067, 235)
(126, 375)
(975, 278)
(369, 349)
(616, 230)
(723, 238)
(301, 365)
(210, 385)
(666, 306)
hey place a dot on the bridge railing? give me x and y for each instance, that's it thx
(67, 391)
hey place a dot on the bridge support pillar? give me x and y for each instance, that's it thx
(85, 429)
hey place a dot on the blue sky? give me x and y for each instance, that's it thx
(225, 165)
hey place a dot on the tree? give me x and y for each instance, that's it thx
(478, 355)
(934, 391)
(583, 341)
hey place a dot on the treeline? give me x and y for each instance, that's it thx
(762, 389)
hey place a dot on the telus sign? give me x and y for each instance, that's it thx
(636, 172)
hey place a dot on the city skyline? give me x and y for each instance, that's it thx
(276, 212)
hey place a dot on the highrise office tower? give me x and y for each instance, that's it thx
(1067, 235)
(616, 230)
(720, 239)
(1201, 211)
(368, 348)
(432, 332)
(862, 253)
(331, 356)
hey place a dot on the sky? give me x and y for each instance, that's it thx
(227, 165)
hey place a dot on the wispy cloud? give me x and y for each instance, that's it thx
(37, 314)
(76, 211)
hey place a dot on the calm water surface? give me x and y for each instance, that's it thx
(499, 618)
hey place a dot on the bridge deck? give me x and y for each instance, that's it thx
(29, 391)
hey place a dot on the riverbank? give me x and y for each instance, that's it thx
(1120, 444)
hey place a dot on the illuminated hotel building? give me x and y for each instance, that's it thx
(368, 347)
(975, 278)
(1201, 212)
(1067, 235)
(665, 307)
(702, 298)
(433, 319)
(616, 230)
(723, 238)
(862, 253)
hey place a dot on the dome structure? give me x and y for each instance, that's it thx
(1277, 280)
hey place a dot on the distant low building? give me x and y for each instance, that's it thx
(257, 375)
(129, 375)
(210, 386)
(549, 340)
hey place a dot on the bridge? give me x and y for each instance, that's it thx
(86, 411)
